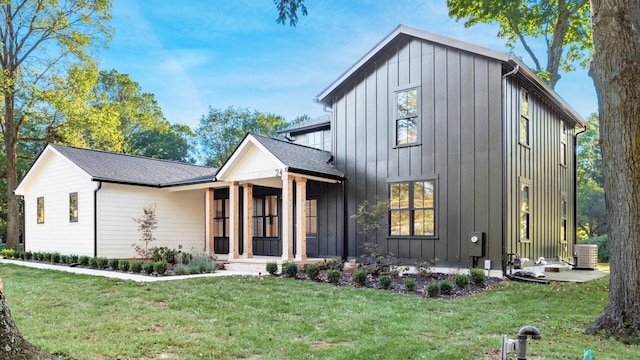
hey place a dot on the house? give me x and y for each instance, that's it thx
(474, 153)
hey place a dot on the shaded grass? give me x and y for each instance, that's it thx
(84, 317)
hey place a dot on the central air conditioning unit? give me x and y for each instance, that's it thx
(586, 256)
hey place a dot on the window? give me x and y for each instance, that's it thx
(412, 208)
(525, 212)
(563, 219)
(40, 210)
(524, 117)
(563, 145)
(316, 140)
(312, 216)
(73, 207)
(265, 216)
(221, 218)
(407, 117)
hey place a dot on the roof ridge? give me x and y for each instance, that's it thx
(291, 143)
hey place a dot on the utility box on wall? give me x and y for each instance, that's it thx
(476, 244)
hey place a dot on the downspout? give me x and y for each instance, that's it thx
(95, 219)
(504, 166)
(23, 226)
(575, 191)
(345, 223)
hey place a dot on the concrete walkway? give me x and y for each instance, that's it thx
(121, 275)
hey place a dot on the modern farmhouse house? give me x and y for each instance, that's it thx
(473, 152)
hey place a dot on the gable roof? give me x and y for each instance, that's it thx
(135, 170)
(511, 62)
(317, 123)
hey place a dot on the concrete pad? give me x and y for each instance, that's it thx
(575, 276)
(121, 275)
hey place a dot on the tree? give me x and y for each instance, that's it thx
(41, 39)
(615, 70)
(170, 142)
(592, 214)
(147, 224)
(564, 25)
(220, 131)
(288, 9)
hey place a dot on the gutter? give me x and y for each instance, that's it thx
(95, 219)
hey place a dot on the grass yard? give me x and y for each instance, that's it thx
(84, 317)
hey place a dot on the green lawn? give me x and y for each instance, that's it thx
(84, 317)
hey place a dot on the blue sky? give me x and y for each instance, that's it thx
(219, 53)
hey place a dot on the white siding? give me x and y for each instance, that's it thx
(180, 219)
(54, 179)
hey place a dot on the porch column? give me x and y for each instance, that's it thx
(234, 215)
(287, 218)
(248, 220)
(209, 202)
(301, 219)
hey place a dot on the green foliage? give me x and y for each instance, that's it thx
(113, 264)
(101, 262)
(272, 268)
(221, 130)
(369, 216)
(93, 262)
(201, 263)
(8, 253)
(359, 276)
(462, 280)
(147, 224)
(385, 281)
(478, 276)
(147, 267)
(160, 267)
(313, 270)
(433, 289)
(603, 250)
(171, 256)
(64, 259)
(73, 258)
(446, 287)
(290, 269)
(135, 267)
(288, 9)
(376, 261)
(28, 255)
(123, 265)
(424, 266)
(55, 257)
(410, 284)
(181, 269)
(592, 212)
(332, 263)
(84, 260)
(333, 275)
(565, 26)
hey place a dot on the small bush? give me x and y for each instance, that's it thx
(28, 255)
(359, 276)
(290, 269)
(123, 265)
(83, 260)
(272, 268)
(113, 264)
(478, 276)
(135, 267)
(313, 271)
(410, 284)
(93, 263)
(333, 275)
(446, 287)
(148, 267)
(433, 289)
(8, 253)
(46, 257)
(160, 267)
(462, 280)
(181, 270)
(64, 259)
(73, 259)
(55, 258)
(385, 281)
(333, 263)
(201, 263)
(166, 254)
(19, 255)
(101, 262)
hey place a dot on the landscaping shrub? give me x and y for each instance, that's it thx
(201, 263)
(8, 253)
(101, 262)
(410, 284)
(19, 255)
(478, 276)
(166, 254)
(375, 260)
(46, 257)
(433, 289)
(113, 264)
(272, 268)
(64, 259)
(359, 276)
(73, 259)
(28, 255)
(313, 271)
(83, 260)
(333, 275)
(424, 266)
(93, 263)
(385, 281)
(462, 280)
(123, 265)
(290, 269)
(333, 263)
(160, 267)
(55, 258)
(446, 287)
(148, 267)
(135, 267)
(181, 269)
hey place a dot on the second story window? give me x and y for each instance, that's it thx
(524, 117)
(406, 117)
(316, 140)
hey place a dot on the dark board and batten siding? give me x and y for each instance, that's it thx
(540, 165)
(459, 146)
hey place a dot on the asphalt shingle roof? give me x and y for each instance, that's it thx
(302, 159)
(311, 124)
(130, 169)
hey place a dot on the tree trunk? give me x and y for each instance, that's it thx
(615, 70)
(12, 345)
(10, 142)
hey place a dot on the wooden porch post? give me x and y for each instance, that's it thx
(209, 214)
(301, 219)
(248, 221)
(234, 224)
(287, 218)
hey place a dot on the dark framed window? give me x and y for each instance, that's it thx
(221, 218)
(525, 211)
(524, 118)
(563, 218)
(312, 216)
(40, 210)
(73, 207)
(412, 208)
(563, 145)
(265, 216)
(406, 117)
